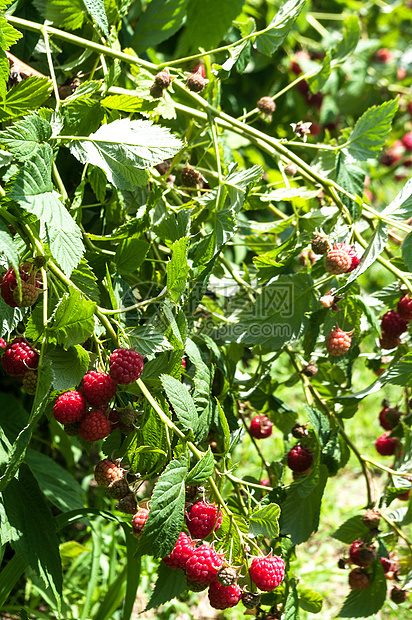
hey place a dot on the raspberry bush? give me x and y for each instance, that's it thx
(206, 257)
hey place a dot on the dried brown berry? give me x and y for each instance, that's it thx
(163, 79)
(320, 243)
(156, 91)
(371, 519)
(266, 105)
(119, 489)
(398, 595)
(191, 177)
(359, 579)
(127, 504)
(196, 82)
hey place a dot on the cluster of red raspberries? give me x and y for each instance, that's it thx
(363, 554)
(205, 568)
(395, 322)
(84, 411)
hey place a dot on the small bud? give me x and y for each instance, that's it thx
(267, 106)
(291, 170)
(156, 91)
(191, 177)
(371, 519)
(310, 370)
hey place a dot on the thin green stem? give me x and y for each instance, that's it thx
(51, 67)
(397, 529)
(388, 469)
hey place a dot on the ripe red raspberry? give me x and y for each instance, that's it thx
(389, 417)
(267, 573)
(98, 388)
(386, 564)
(338, 259)
(18, 357)
(393, 154)
(359, 579)
(361, 554)
(29, 382)
(202, 519)
(389, 342)
(392, 324)
(383, 55)
(107, 472)
(223, 597)
(299, 458)
(125, 366)
(200, 68)
(386, 445)
(94, 426)
(9, 283)
(69, 407)
(203, 564)
(138, 521)
(404, 308)
(181, 552)
(338, 342)
(261, 427)
(407, 141)
(355, 258)
(3, 343)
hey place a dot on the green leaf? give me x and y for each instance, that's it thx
(33, 191)
(18, 450)
(264, 521)
(29, 94)
(291, 611)
(149, 340)
(9, 576)
(130, 254)
(310, 601)
(31, 528)
(8, 248)
(202, 470)
(400, 373)
(224, 428)
(96, 9)
(24, 137)
(8, 34)
(317, 82)
(279, 315)
(61, 13)
(166, 515)
(351, 34)
(203, 388)
(170, 584)
(181, 401)
(374, 249)
(124, 148)
(177, 269)
(73, 320)
(206, 24)
(364, 603)
(68, 366)
(370, 132)
(350, 530)
(279, 27)
(401, 206)
(83, 277)
(352, 179)
(55, 482)
(299, 517)
(161, 20)
(407, 251)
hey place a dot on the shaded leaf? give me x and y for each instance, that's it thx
(279, 27)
